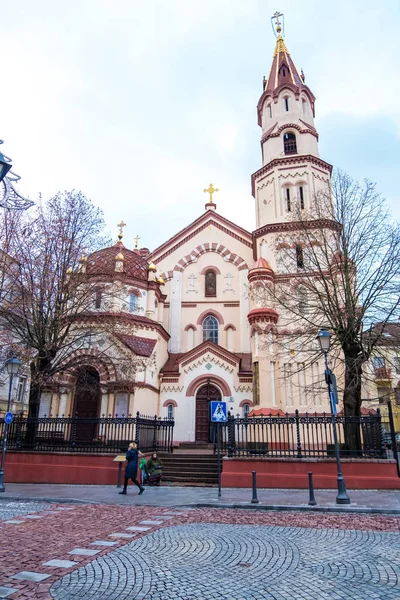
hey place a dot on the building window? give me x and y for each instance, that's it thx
(170, 411)
(299, 257)
(97, 301)
(304, 106)
(301, 197)
(190, 338)
(286, 103)
(210, 283)
(287, 198)
(246, 410)
(269, 111)
(302, 300)
(289, 143)
(20, 389)
(379, 362)
(132, 303)
(210, 329)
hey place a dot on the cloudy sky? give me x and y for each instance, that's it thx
(142, 104)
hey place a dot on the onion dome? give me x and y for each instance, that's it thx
(152, 267)
(161, 281)
(102, 262)
(261, 271)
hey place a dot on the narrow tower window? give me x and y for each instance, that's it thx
(286, 104)
(301, 197)
(299, 257)
(304, 106)
(289, 143)
(288, 199)
(97, 301)
(269, 111)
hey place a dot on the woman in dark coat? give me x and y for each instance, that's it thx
(132, 456)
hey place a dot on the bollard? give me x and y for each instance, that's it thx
(312, 501)
(254, 499)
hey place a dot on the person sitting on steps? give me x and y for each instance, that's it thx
(132, 456)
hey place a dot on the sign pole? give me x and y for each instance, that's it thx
(219, 457)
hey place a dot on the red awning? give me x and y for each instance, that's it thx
(266, 412)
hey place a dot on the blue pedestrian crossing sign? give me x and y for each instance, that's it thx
(8, 418)
(218, 412)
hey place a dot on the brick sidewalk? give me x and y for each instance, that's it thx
(61, 528)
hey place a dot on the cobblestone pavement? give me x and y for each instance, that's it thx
(241, 562)
(11, 510)
(166, 553)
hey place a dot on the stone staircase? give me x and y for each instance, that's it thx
(190, 464)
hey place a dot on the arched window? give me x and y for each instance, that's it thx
(302, 300)
(286, 104)
(301, 194)
(287, 199)
(299, 257)
(246, 410)
(210, 283)
(190, 338)
(97, 300)
(289, 143)
(304, 106)
(170, 411)
(269, 111)
(210, 329)
(230, 337)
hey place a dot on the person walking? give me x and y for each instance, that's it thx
(132, 456)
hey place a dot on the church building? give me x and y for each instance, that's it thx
(190, 311)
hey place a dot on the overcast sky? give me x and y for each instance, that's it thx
(142, 104)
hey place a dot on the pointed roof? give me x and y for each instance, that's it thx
(283, 70)
(261, 263)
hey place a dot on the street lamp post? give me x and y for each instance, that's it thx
(9, 197)
(324, 339)
(12, 367)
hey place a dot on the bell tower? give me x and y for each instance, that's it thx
(292, 172)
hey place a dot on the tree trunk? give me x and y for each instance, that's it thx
(352, 405)
(33, 413)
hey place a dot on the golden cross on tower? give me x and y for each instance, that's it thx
(211, 190)
(278, 24)
(121, 225)
(136, 239)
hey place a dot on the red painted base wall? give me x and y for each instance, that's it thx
(61, 468)
(286, 473)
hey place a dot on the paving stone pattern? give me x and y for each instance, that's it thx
(9, 510)
(241, 562)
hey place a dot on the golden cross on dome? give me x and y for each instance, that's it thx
(211, 190)
(121, 225)
(136, 239)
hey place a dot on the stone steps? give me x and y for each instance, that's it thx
(198, 469)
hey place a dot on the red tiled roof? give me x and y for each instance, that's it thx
(102, 262)
(175, 359)
(140, 345)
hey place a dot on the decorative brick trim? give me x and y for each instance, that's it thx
(202, 380)
(211, 268)
(231, 304)
(207, 247)
(243, 402)
(169, 402)
(230, 326)
(190, 326)
(210, 311)
(297, 226)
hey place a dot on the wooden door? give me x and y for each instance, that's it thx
(87, 397)
(204, 430)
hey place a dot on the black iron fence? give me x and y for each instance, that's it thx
(109, 435)
(303, 436)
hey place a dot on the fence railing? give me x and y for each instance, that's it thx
(109, 435)
(303, 436)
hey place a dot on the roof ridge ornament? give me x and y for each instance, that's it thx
(121, 226)
(276, 27)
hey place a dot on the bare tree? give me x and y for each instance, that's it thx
(339, 267)
(43, 292)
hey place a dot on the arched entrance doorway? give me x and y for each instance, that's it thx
(204, 396)
(87, 400)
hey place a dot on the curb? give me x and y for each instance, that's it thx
(229, 505)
